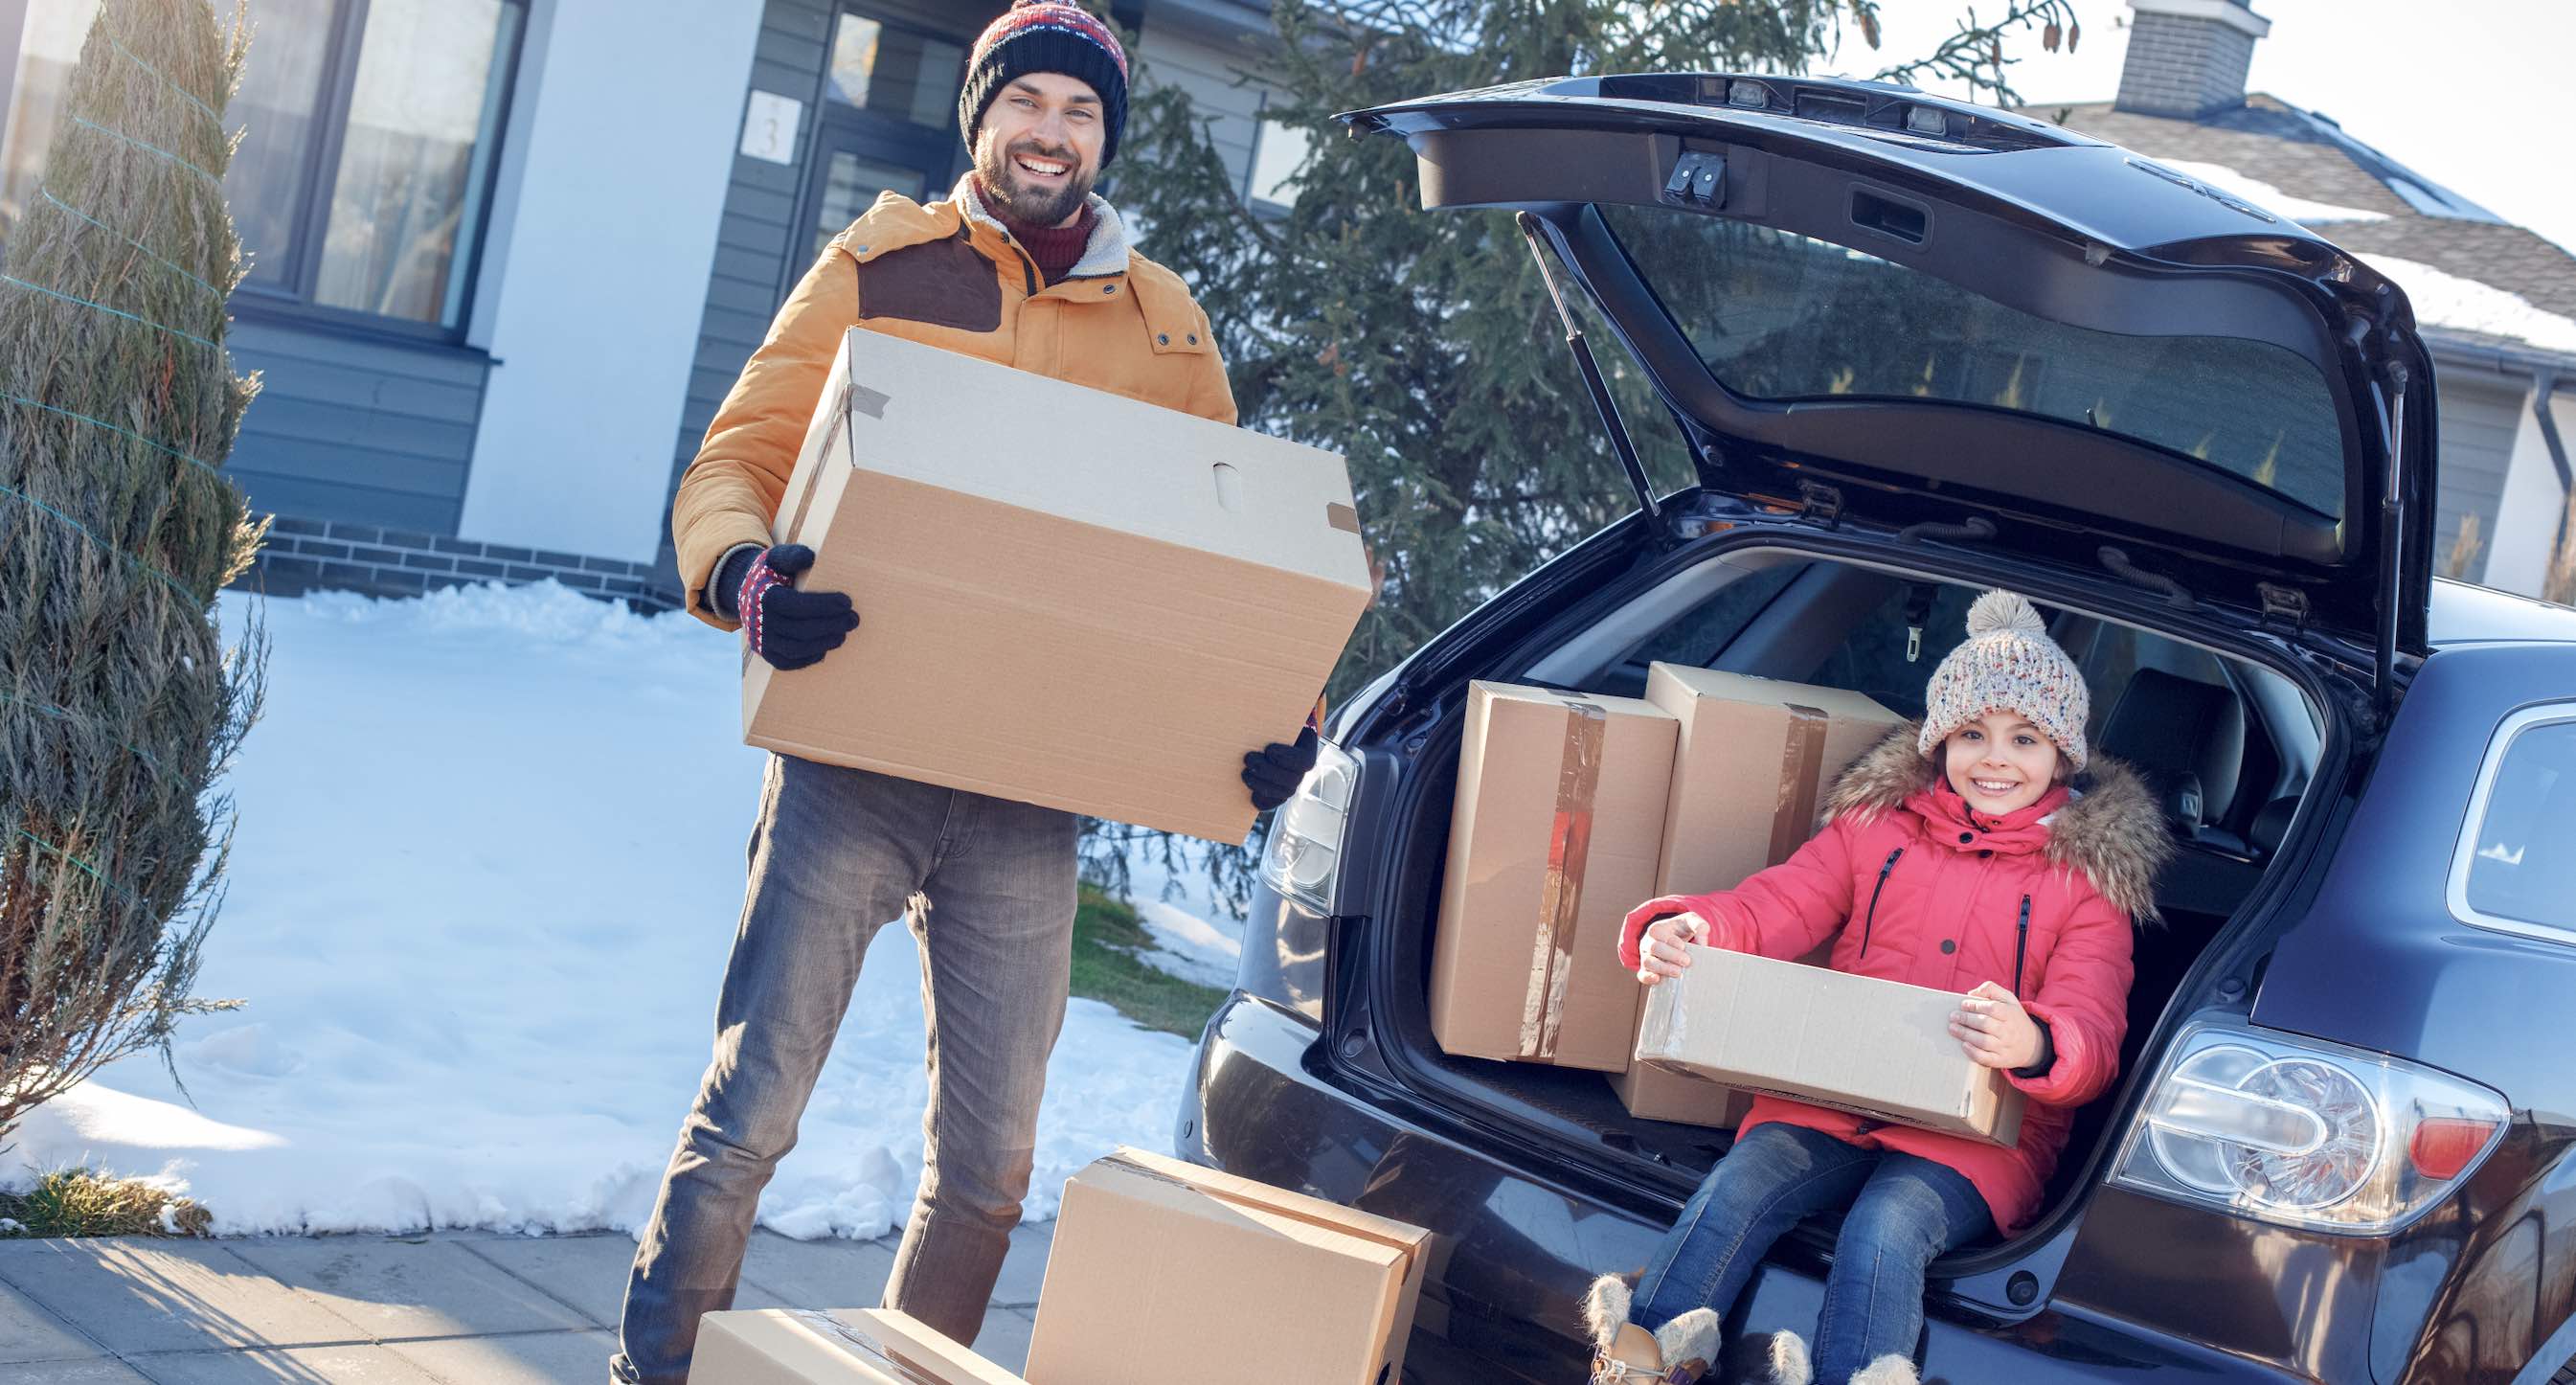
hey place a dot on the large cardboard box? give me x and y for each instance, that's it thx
(1553, 838)
(861, 1346)
(1751, 765)
(1066, 597)
(1879, 1049)
(1662, 1094)
(1165, 1273)
(1754, 760)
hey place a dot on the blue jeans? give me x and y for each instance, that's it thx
(1905, 1210)
(987, 888)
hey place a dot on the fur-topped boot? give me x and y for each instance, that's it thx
(1890, 1369)
(1777, 1359)
(1625, 1354)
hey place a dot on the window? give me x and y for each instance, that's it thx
(1701, 635)
(1891, 653)
(1778, 316)
(2513, 871)
(1278, 152)
(368, 130)
(894, 72)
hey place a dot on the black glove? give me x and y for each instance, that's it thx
(789, 628)
(1274, 771)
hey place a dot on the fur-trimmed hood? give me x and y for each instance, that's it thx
(2111, 830)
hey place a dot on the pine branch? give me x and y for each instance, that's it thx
(1975, 54)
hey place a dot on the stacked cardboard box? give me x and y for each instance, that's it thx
(1854, 1043)
(1553, 838)
(1751, 767)
(1165, 1273)
(1161, 1273)
(1066, 597)
(851, 1346)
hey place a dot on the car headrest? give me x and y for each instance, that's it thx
(2173, 731)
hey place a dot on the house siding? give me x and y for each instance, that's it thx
(2480, 415)
(1212, 72)
(369, 430)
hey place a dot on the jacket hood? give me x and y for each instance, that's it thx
(2111, 831)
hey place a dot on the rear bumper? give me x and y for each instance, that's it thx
(1514, 1251)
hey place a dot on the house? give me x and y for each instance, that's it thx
(2496, 303)
(508, 255)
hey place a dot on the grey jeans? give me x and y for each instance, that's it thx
(987, 887)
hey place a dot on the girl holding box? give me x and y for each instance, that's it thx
(1978, 853)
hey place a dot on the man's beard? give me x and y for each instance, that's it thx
(1024, 204)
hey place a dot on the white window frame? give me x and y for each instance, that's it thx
(2463, 855)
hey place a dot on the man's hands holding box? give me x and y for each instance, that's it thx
(789, 628)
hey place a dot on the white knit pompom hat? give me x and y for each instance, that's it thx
(2008, 664)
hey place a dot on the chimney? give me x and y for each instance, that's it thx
(2187, 58)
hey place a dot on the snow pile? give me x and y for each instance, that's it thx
(2443, 299)
(2268, 197)
(489, 865)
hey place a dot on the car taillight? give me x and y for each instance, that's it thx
(2444, 1147)
(2301, 1132)
(1303, 858)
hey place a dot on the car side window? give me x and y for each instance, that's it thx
(1874, 657)
(2510, 872)
(1710, 626)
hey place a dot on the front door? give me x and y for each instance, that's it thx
(888, 123)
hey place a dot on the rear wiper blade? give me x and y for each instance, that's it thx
(1617, 428)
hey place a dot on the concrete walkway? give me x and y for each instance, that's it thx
(468, 1308)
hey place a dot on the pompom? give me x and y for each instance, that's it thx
(2003, 610)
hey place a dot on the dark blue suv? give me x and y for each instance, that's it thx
(1914, 349)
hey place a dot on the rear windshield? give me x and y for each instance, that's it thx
(1781, 316)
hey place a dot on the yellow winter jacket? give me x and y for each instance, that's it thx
(945, 274)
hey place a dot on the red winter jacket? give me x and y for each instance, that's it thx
(1925, 892)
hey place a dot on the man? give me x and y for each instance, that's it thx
(1020, 264)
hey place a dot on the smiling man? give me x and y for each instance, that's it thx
(1021, 264)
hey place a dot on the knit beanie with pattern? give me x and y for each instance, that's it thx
(2008, 664)
(1047, 36)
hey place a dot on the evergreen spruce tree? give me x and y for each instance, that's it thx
(119, 706)
(1422, 345)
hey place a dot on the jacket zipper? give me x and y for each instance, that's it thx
(1870, 920)
(2021, 944)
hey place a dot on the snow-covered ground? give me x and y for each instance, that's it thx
(489, 864)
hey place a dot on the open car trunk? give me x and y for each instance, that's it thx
(2228, 744)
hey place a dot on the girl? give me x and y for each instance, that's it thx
(1958, 855)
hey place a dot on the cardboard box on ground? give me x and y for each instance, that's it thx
(1553, 837)
(850, 1346)
(1066, 597)
(1161, 1273)
(1854, 1043)
(1165, 1273)
(1752, 764)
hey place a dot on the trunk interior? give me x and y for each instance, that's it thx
(2228, 745)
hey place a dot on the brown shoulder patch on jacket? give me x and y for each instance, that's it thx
(945, 283)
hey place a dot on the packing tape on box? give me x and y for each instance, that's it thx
(1569, 846)
(880, 1355)
(1802, 759)
(852, 395)
(1342, 517)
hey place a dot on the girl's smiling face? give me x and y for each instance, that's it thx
(2000, 763)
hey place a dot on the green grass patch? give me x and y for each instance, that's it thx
(77, 1202)
(1108, 943)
